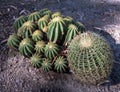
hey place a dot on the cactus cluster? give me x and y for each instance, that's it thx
(46, 38)
(42, 36)
(90, 58)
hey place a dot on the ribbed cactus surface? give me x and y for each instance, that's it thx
(90, 58)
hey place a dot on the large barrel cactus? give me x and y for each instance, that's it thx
(90, 58)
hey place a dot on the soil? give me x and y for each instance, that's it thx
(16, 72)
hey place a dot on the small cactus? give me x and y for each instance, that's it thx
(71, 32)
(27, 29)
(51, 50)
(34, 16)
(80, 26)
(60, 64)
(19, 22)
(37, 35)
(13, 41)
(56, 14)
(43, 22)
(36, 60)
(44, 12)
(56, 29)
(68, 20)
(40, 46)
(90, 57)
(46, 65)
(26, 47)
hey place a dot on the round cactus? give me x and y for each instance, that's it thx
(43, 22)
(26, 47)
(80, 26)
(68, 20)
(13, 41)
(46, 65)
(45, 12)
(34, 16)
(90, 58)
(37, 35)
(40, 46)
(36, 60)
(51, 50)
(56, 29)
(19, 22)
(72, 32)
(60, 64)
(27, 29)
(56, 14)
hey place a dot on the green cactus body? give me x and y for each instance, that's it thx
(26, 47)
(36, 60)
(46, 65)
(80, 26)
(13, 41)
(27, 29)
(19, 22)
(68, 20)
(51, 50)
(60, 64)
(72, 32)
(42, 22)
(56, 29)
(56, 14)
(45, 12)
(40, 46)
(34, 16)
(37, 35)
(90, 58)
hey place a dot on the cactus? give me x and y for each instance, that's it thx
(44, 12)
(46, 65)
(56, 14)
(71, 32)
(36, 60)
(37, 35)
(19, 22)
(56, 29)
(60, 64)
(40, 46)
(27, 29)
(34, 16)
(90, 57)
(51, 50)
(68, 20)
(80, 26)
(26, 47)
(13, 41)
(43, 22)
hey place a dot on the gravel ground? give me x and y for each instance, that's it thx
(16, 73)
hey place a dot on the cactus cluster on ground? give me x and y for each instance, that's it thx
(53, 41)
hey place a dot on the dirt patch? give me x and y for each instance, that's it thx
(16, 73)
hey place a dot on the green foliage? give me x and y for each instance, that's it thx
(19, 22)
(80, 26)
(90, 58)
(56, 14)
(27, 29)
(44, 12)
(37, 35)
(26, 47)
(51, 50)
(13, 41)
(36, 60)
(34, 16)
(68, 20)
(46, 65)
(56, 29)
(60, 64)
(40, 46)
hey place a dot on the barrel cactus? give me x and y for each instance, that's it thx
(37, 35)
(90, 57)
(27, 29)
(26, 47)
(51, 50)
(44, 12)
(46, 65)
(40, 46)
(19, 22)
(60, 64)
(56, 14)
(13, 41)
(36, 60)
(56, 29)
(34, 16)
